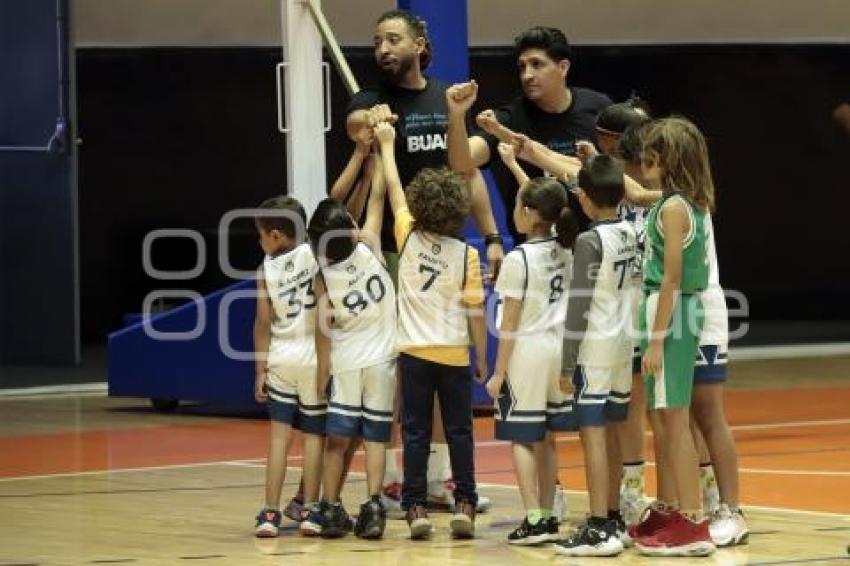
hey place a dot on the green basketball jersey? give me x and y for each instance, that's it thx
(694, 257)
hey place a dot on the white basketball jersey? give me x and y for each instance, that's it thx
(636, 216)
(608, 341)
(289, 281)
(431, 278)
(364, 311)
(545, 278)
(715, 329)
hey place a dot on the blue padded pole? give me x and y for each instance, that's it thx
(449, 37)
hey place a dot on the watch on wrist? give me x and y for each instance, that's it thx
(494, 238)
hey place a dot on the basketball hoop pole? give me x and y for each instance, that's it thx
(303, 117)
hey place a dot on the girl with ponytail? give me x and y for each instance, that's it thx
(532, 288)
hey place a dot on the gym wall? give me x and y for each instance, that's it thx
(177, 116)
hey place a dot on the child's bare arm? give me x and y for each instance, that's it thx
(511, 310)
(346, 180)
(557, 164)
(676, 224)
(386, 138)
(262, 337)
(508, 155)
(322, 336)
(356, 203)
(488, 122)
(636, 193)
(371, 230)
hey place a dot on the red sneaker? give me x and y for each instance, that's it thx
(678, 537)
(654, 517)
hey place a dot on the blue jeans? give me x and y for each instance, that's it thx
(420, 379)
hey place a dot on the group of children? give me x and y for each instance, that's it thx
(583, 319)
(332, 332)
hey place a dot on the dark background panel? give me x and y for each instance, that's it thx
(174, 138)
(38, 301)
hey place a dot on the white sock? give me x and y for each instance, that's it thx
(633, 477)
(391, 473)
(439, 465)
(710, 492)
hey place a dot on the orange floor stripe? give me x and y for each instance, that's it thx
(787, 448)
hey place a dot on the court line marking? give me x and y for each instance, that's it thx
(257, 463)
(359, 454)
(573, 437)
(745, 506)
(788, 351)
(88, 389)
(739, 353)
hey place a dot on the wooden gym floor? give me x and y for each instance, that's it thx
(94, 480)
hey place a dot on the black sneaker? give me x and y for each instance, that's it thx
(462, 523)
(372, 519)
(553, 529)
(594, 538)
(335, 520)
(622, 531)
(527, 534)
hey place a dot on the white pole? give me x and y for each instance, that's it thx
(304, 105)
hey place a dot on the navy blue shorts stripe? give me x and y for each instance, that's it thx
(375, 413)
(351, 408)
(280, 393)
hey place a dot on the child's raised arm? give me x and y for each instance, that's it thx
(356, 202)
(346, 180)
(386, 139)
(638, 194)
(508, 155)
(488, 122)
(557, 164)
(371, 230)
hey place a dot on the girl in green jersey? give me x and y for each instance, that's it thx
(675, 158)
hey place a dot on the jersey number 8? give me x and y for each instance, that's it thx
(356, 302)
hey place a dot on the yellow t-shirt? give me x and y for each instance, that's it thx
(472, 296)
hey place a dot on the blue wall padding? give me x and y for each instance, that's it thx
(198, 370)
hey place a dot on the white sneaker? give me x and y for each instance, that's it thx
(391, 498)
(440, 492)
(483, 504)
(632, 506)
(559, 504)
(441, 497)
(728, 528)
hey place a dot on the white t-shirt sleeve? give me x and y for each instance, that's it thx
(512, 276)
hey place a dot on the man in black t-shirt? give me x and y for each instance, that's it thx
(549, 111)
(416, 104)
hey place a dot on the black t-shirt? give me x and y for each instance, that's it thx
(420, 133)
(557, 131)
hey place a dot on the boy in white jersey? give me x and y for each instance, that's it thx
(440, 297)
(355, 344)
(598, 347)
(617, 128)
(530, 404)
(286, 354)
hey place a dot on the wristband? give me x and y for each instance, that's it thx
(494, 238)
